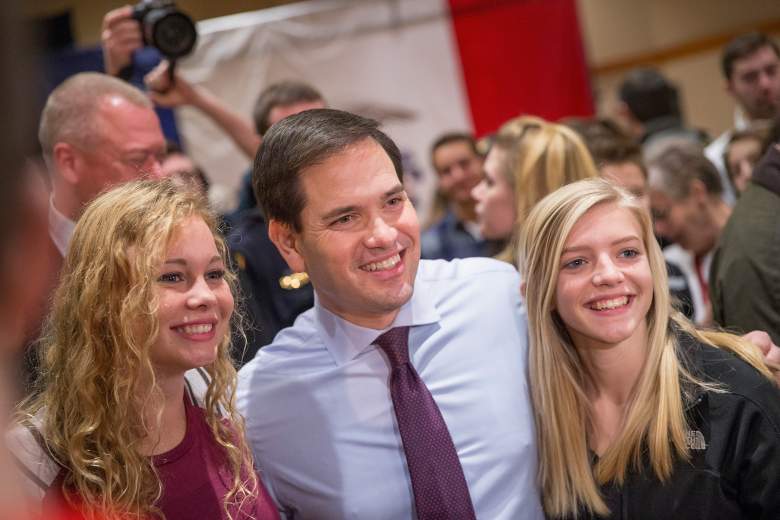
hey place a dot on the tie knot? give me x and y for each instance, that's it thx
(395, 345)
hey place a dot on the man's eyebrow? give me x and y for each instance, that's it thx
(398, 188)
(575, 249)
(338, 211)
(335, 212)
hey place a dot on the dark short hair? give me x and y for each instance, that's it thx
(649, 95)
(453, 137)
(196, 176)
(281, 94)
(607, 143)
(680, 164)
(743, 46)
(301, 141)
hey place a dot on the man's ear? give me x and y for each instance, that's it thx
(285, 238)
(698, 191)
(627, 119)
(66, 160)
(727, 86)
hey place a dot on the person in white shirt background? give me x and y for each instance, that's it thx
(751, 69)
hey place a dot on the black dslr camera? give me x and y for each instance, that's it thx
(166, 28)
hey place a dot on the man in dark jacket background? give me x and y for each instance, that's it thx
(745, 274)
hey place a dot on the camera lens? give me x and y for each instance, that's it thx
(174, 34)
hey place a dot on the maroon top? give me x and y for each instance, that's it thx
(195, 476)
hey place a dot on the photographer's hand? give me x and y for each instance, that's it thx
(167, 93)
(182, 92)
(120, 36)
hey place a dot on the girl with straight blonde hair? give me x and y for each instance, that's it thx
(529, 158)
(116, 429)
(639, 414)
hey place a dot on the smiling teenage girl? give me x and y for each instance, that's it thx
(116, 429)
(639, 414)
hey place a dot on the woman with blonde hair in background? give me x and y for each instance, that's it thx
(529, 158)
(639, 414)
(116, 429)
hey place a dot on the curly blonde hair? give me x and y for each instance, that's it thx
(95, 366)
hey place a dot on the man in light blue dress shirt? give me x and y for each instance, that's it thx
(319, 414)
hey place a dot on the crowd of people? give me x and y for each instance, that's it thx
(586, 326)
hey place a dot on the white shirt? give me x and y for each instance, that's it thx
(320, 419)
(60, 228)
(686, 261)
(715, 150)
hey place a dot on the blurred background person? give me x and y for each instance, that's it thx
(183, 170)
(650, 111)
(134, 414)
(121, 38)
(274, 103)
(745, 274)
(750, 64)
(455, 232)
(23, 232)
(744, 149)
(689, 210)
(529, 158)
(617, 156)
(95, 132)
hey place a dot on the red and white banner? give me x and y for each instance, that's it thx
(422, 67)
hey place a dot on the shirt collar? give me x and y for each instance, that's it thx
(60, 228)
(345, 341)
(741, 121)
(452, 223)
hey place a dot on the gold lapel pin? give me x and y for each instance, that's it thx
(293, 281)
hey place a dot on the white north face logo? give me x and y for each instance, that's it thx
(694, 439)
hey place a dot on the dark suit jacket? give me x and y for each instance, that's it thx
(745, 274)
(29, 361)
(268, 306)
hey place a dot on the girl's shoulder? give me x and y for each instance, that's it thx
(196, 384)
(38, 469)
(738, 382)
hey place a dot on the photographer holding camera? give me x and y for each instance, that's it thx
(128, 28)
(159, 24)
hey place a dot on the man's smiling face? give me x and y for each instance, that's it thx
(360, 238)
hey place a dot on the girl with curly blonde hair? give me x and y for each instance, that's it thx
(639, 414)
(135, 412)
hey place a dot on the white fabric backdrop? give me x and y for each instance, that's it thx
(394, 60)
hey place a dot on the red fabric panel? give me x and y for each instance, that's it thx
(521, 57)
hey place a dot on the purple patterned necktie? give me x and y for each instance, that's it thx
(440, 490)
